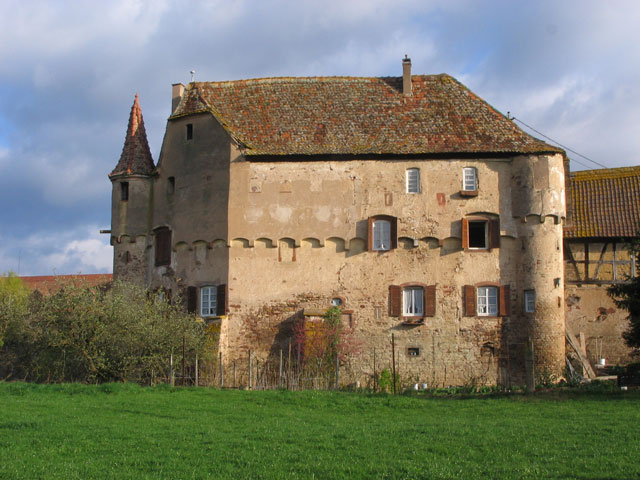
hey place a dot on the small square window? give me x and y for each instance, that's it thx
(189, 131)
(413, 180)
(469, 179)
(529, 301)
(413, 351)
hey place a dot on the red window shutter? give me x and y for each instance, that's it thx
(465, 233)
(221, 300)
(192, 299)
(430, 301)
(370, 234)
(395, 301)
(494, 233)
(469, 293)
(394, 232)
(505, 300)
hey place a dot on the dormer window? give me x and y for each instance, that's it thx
(413, 180)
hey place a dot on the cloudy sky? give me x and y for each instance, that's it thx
(69, 71)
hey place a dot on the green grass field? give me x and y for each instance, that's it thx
(125, 431)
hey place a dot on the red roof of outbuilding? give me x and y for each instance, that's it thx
(48, 284)
(605, 203)
(357, 115)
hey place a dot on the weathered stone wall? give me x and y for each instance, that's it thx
(300, 228)
(591, 311)
(285, 236)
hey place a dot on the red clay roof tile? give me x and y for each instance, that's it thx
(357, 115)
(136, 156)
(605, 203)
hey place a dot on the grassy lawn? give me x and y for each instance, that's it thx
(124, 431)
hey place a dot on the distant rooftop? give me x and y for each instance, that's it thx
(605, 203)
(49, 284)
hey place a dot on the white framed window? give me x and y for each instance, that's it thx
(487, 301)
(413, 180)
(208, 301)
(413, 302)
(469, 179)
(529, 301)
(381, 231)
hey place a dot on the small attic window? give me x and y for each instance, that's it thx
(124, 191)
(189, 131)
(171, 185)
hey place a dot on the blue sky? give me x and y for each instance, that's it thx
(69, 71)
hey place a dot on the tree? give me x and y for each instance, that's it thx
(13, 301)
(627, 296)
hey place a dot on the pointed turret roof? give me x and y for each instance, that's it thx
(136, 157)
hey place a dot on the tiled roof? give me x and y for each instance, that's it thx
(48, 284)
(605, 203)
(357, 115)
(136, 157)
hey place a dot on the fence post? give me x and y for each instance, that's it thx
(184, 364)
(375, 372)
(221, 372)
(393, 360)
(235, 385)
(196, 369)
(280, 371)
(337, 370)
(289, 367)
(250, 371)
(172, 379)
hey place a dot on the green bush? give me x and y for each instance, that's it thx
(96, 335)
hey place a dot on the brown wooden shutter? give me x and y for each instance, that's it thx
(494, 233)
(370, 234)
(505, 300)
(394, 232)
(221, 300)
(469, 293)
(192, 299)
(429, 301)
(465, 233)
(395, 301)
(163, 246)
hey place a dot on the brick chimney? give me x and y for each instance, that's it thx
(406, 75)
(177, 89)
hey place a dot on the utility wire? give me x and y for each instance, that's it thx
(559, 144)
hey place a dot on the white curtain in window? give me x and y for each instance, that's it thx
(487, 300)
(413, 301)
(381, 235)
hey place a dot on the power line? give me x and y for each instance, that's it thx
(561, 145)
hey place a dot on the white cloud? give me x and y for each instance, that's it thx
(83, 250)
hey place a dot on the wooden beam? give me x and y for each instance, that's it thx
(584, 361)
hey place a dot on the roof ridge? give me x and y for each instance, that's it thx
(614, 172)
(285, 79)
